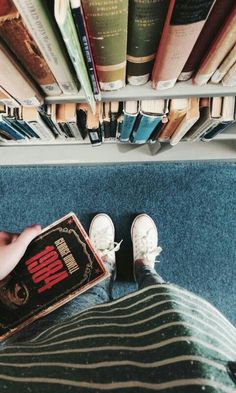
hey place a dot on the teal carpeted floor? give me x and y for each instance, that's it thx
(193, 204)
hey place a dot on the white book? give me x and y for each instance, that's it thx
(42, 28)
(230, 77)
(33, 119)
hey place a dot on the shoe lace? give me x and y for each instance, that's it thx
(108, 251)
(146, 252)
(102, 239)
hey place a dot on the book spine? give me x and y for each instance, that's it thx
(185, 25)
(127, 126)
(41, 26)
(17, 37)
(223, 43)
(70, 37)
(95, 136)
(9, 130)
(15, 81)
(85, 45)
(170, 127)
(145, 24)
(145, 126)
(216, 19)
(178, 135)
(225, 66)
(74, 130)
(41, 130)
(107, 22)
(208, 136)
(230, 77)
(7, 100)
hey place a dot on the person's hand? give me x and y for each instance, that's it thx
(13, 247)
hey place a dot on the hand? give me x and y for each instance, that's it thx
(13, 247)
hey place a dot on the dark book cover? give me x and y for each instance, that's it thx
(58, 265)
(80, 25)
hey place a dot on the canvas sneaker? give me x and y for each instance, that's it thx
(102, 236)
(145, 239)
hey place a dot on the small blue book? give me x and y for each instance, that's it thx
(10, 130)
(131, 110)
(149, 117)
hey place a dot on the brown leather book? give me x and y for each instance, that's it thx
(221, 46)
(178, 110)
(191, 117)
(15, 34)
(216, 19)
(180, 33)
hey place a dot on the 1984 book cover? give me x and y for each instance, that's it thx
(58, 265)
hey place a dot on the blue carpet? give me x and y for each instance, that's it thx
(193, 204)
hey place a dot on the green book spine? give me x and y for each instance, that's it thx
(146, 20)
(107, 23)
(64, 19)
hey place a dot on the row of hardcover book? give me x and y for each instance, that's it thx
(56, 47)
(136, 122)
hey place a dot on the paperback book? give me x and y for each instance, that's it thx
(57, 266)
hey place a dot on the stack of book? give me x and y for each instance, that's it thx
(134, 122)
(57, 48)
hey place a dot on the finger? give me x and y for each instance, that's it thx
(27, 235)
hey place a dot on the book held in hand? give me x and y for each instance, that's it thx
(58, 265)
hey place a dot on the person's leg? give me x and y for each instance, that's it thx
(145, 249)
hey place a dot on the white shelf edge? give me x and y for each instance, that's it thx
(145, 92)
(110, 153)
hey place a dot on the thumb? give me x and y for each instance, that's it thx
(26, 236)
(15, 251)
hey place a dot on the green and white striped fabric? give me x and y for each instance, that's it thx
(161, 339)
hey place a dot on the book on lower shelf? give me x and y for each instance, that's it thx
(228, 117)
(191, 117)
(210, 114)
(150, 116)
(57, 266)
(177, 111)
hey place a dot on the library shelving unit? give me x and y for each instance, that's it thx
(223, 147)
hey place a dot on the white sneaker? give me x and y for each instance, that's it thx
(145, 239)
(102, 236)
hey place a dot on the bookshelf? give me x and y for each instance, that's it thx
(59, 152)
(223, 147)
